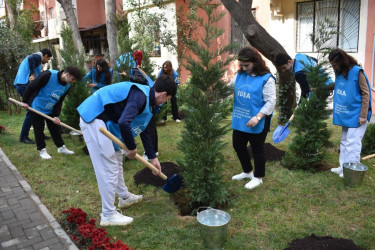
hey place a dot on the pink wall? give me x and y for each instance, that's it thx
(223, 40)
(92, 12)
(369, 48)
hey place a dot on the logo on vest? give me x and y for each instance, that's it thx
(137, 130)
(341, 92)
(56, 96)
(243, 94)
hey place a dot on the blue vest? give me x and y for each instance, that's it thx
(93, 106)
(347, 100)
(128, 57)
(114, 128)
(301, 61)
(50, 94)
(23, 72)
(102, 81)
(248, 101)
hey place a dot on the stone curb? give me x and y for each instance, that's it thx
(60, 232)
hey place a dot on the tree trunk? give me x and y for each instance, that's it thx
(110, 14)
(72, 21)
(260, 39)
(10, 12)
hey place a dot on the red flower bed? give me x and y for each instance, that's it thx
(86, 235)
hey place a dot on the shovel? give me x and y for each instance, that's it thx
(368, 157)
(281, 132)
(172, 184)
(45, 116)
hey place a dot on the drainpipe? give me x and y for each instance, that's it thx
(46, 15)
(372, 65)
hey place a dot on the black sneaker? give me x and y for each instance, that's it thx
(27, 140)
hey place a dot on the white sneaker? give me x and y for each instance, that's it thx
(144, 156)
(338, 170)
(132, 199)
(64, 150)
(177, 120)
(44, 155)
(341, 175)
(242, 176)
(116, 219)
(253, 183)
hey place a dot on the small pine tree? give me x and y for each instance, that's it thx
(208, 100)
(308, 147)
(78, 91)
(368, 142)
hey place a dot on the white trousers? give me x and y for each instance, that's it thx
(107, 165)
(351, 144)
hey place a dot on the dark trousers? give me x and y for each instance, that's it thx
(174, 109)
(28, 120)
(154, 133)
(54, 129)
(240, 140)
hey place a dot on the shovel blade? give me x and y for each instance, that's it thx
(173, 184)
(280, 133)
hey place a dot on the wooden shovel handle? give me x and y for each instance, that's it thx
(137, 156)
(368, 157)
(46, 116)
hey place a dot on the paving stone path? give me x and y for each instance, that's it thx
(25, 223)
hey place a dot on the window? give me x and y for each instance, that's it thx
(51, 13)
(2, 5)
(156, 52)
(343, 12)
(237, 36)
(42, 16)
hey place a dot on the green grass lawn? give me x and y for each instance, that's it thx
(289, 204)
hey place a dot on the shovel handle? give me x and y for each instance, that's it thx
(137, 156)
(45, 116)
(368, 157)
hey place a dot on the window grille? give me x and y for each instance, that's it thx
(345, 13)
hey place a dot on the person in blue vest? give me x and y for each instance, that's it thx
(351, 106)
(284, 62)
(167, 69)
(254, 102)
(100, 75)
(46, 94)
(29, 69)
(129, 106)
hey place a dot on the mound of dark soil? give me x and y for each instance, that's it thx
(182, 114)
(145, 175)
(314, 242)
(272, 153)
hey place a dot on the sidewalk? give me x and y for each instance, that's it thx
(25, 223)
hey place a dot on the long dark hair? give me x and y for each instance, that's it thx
(107, 74)
(249, 54)
(345, 61)
(169, 68)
